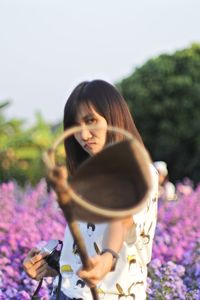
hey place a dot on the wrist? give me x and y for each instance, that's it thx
(112, 255)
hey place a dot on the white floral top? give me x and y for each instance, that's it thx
(128, 281)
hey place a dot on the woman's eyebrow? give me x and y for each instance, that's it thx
(85, 117)
(89, 115)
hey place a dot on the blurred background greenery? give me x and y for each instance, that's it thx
(21, 148)
(164, 98)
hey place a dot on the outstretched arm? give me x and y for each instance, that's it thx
(114, 237)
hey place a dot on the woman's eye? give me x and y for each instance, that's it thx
(91, 121)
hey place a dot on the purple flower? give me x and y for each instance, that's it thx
(31, 216)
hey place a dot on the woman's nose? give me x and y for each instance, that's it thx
(85, 133)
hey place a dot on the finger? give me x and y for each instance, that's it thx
(33, 252)
(40, 276)
(88, 274)
(38, 257)
(28, 261)
(27, 264)
(41, 272)
(36, 269)
(93, 261)
(92, 282)
(39, 264)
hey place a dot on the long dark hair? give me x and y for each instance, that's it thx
(107, 102)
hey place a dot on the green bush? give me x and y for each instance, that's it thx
(164, 98)
(21, 149)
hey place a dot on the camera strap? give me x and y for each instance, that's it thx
(59, 287)
(35, 295)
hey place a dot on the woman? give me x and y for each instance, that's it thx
(97, 102)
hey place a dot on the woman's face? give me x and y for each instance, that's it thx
(92, 141)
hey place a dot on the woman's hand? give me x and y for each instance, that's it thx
(35, 265)
(100, 266)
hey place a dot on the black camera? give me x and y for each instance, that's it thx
(53, 248)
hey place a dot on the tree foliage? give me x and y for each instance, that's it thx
(21, 148)
(164, 98)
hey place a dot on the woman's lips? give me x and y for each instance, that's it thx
(89, 145)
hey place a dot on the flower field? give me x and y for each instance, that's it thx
(27, 217)
(174, 272)
(31, 215)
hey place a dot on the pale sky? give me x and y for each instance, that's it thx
(48, 46)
